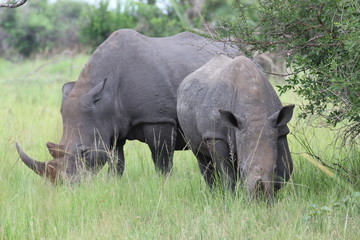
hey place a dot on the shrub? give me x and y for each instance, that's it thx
(321, 40)
(39, 26)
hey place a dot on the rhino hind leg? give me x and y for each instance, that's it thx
(161, 140)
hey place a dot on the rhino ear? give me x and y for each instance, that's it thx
(283, 116)
(230, 119)
(95, 94)
(56, 150)
(66, 89)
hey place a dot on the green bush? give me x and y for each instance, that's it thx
(100, 22)
(27, 30)
(40, 26)
(152, 21)
(148, 19)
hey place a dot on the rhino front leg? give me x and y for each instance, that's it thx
(117, 162)
(161, 140)
(284, 163)
(219, 152)
(207, 168)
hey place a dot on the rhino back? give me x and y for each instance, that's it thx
(144, 73)
(237, 85)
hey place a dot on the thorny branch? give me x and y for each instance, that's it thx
(16, 4)
(319, 13)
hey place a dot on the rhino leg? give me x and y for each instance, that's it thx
(161, 140)
(219, 152)
(284, 163)
(117, 164)
(207, 168)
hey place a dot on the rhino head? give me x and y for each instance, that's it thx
(87, 135)
(263, 157)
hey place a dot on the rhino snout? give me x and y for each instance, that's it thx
(260, 185)
(264, 188)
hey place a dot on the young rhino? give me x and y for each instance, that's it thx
(235, 124)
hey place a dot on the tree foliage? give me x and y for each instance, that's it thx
(40, 27)
(147, 18)
(156, 22)
(46, 26)
(100, 22)
(321, 40)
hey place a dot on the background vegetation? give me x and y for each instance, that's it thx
(48, 27)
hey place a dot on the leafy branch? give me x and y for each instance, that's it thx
(319, 40)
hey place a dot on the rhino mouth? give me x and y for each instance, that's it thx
(264, 189)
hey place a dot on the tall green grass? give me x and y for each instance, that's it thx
(141, 204)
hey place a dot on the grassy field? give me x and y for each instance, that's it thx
(316, 204)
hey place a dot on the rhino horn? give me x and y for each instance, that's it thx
(36, 166)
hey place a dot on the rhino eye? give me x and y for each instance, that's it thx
(82, 149)
(96, 100)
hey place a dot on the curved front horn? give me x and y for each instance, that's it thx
(37, 167)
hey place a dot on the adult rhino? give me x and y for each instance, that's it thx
(126, 91)
(236, 125)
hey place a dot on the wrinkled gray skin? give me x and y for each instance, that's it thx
(236, 125)
(126, 91)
